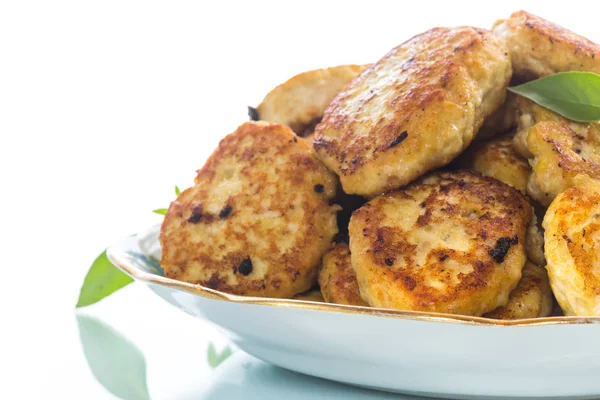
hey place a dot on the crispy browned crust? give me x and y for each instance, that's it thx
(337, 278)
(497, 158)
(560, 153)
(539, 47)
(532, 298)
(453, 242)
(258, 219)
(572, 249)
(300, 101)
(414, 110)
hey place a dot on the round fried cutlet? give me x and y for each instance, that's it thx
(337, 278)
(539, 47)
(300, 101)
(572, 248)
(497, 158)
(532, 298)
(452, 242)
(258, 219)
(414, 110)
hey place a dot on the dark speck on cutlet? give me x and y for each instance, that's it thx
(399, 139)
(245, 267)
(225, 211)
(502, 246)
(195, 217)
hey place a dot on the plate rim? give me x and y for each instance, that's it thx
(121, 259)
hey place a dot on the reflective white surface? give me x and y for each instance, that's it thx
(245, 377)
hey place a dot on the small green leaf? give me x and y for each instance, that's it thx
(117, 364)
(102, 279)
(574, 95)
(214, 358)
(163, 211)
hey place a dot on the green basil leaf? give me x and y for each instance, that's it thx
(117, 364)
(214, 358)
(574, 95)
(163, 211)
(102, 279)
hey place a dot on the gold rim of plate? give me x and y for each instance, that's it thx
(120, 259)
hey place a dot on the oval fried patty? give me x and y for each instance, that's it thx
(453, 242)
(337, 278)
(416, 109)
(300, 101)
(258, 219)
(532, 298)
(539, 47)
(572, 249)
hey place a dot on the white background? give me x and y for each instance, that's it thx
(106, 105)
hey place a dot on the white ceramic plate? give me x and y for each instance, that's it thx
(401, 351)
